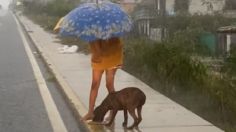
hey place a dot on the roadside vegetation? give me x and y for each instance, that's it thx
(175, 66)
(48, 14)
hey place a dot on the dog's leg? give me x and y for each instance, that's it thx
(125, 118)
(139, 110)
(112, 118)
(132, 113)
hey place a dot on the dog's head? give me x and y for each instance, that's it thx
(99, 114)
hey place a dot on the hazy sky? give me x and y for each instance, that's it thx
(5, 3)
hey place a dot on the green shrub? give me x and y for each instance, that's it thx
(172, 64)
(48, 15)
(207, 23)
(169, 63)
(58, 8)
(169, 68)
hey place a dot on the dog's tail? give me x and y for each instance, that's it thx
(143, 98)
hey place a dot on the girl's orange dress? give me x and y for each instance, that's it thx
(106, 54)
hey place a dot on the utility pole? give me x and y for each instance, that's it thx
(161, 11)
(163, 18)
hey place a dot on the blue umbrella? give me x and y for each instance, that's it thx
(91, 21)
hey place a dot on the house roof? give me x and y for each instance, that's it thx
(227, 29)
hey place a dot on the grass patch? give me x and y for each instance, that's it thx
(168, 69)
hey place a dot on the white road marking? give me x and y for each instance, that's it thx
(52, 111)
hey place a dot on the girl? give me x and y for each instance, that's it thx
(107, 56)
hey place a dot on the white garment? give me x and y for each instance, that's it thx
(66, 49)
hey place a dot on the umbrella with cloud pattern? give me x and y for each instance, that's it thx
(92, 21)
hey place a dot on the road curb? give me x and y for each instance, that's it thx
(77, 107)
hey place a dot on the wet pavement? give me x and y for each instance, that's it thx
(21, 106)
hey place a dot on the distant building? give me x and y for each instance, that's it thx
(129, 5)
(226, 39)
(150, 9)
(206, 7)
(198, 6)
(195, 6)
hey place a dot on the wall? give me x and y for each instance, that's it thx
(196, 6)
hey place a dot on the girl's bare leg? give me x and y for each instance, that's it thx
(110, 77)
(96, 79)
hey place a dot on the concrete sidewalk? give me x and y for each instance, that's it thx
(73, 73)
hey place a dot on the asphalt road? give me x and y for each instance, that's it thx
(21, 106)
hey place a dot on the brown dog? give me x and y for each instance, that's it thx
(127, 99)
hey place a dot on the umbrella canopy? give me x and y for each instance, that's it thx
(91, 21)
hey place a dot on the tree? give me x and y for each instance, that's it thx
(181, 6)
(208, 4)
(230, 5)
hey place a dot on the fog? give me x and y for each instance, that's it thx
(5, 3)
